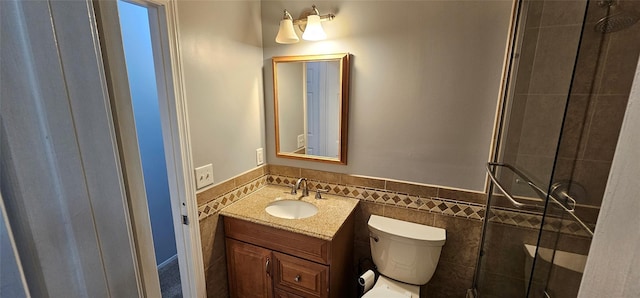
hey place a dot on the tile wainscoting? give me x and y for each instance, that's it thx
(459, 212)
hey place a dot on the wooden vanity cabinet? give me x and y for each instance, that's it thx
(263, 261)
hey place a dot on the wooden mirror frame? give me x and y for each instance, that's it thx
(343, 59)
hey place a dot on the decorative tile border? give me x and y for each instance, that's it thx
(533, 221)
(215, 205)
(430, 204)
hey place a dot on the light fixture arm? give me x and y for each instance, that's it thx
(314, 11)
(303, 20)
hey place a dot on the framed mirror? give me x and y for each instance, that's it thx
(311, 100)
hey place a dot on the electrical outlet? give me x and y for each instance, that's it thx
(204, 176)
(301, 141)
(259, 156)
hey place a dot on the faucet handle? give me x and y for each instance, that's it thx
(293, 189)
(319, 192)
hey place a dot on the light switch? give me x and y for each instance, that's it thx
(204, 176)
(259, 156)
(301, 141)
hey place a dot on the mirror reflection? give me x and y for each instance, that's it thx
(311, 95)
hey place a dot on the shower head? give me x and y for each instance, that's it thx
(616, 19)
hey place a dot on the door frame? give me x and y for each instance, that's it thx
(177, 142)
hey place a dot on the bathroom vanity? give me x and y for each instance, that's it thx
(269, 256)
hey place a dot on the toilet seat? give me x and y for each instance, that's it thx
(388, 288)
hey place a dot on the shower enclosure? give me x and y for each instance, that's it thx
(569, 77)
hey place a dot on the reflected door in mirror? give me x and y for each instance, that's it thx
(310, 99)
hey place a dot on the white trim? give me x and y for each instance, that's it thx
(116, 73)
(190, 252)
(3, 213)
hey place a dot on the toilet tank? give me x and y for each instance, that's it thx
(405, 251)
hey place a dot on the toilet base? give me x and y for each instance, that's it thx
(389, 288)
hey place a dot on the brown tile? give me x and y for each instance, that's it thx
(563, 282)
(605, 127)
(361, 251)
(527, 53)
(558, 13)
(592, 175)
(251, 175)
(541, 124)
(219, 248)
(463, 239)
(588, 69)
(412, 189)
(410, 215)
(555, 57)
(534, 13)
(321, 176)
(575, 127)
(216, 279)
(499, 286)
(361, 181)
(207, 236)
(450, 280)
(215, 191)
(284, 170)
(504, 252)
(621, 61)
(362, 213)
(460, 195)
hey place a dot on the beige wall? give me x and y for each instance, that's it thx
(425, 83)
(291, 98)
(221, 50)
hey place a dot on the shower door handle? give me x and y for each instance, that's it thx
(502, 189)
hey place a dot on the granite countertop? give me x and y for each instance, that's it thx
(332, 211)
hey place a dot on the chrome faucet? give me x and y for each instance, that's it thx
(305, 190)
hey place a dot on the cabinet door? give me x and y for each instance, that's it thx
(302, 277)
(249, 270)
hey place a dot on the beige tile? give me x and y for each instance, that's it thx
(216, 279)
(412, 189)
(463, 239)
(321, 176)
(284, 170)
(215, 191)
(347, 179)
(410, 215)
(362, 213)
(460, 195)
(207, 236)
(249, 176)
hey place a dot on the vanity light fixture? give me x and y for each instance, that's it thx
(309, 24)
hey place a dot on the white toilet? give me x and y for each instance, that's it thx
(406, 255)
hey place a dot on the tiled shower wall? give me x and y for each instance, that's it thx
(459, 212)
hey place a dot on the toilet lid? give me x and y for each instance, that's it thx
(385, 292)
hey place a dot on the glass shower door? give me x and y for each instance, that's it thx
(520, 223)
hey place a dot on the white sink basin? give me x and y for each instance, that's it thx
(291, 209)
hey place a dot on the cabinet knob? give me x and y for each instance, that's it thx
(297, 279)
